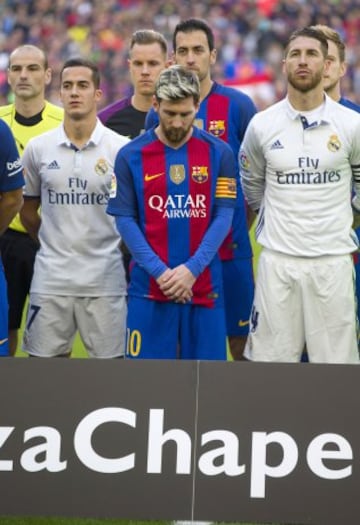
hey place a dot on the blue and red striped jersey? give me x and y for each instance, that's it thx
(173, 194)
(225, 113)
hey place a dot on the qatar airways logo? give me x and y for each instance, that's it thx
(179, 206)
(328, 455)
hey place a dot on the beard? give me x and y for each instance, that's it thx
(305, 85)
(176, 135)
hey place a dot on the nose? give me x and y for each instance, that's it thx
(145, 69)
(177, 121)
(190, 57)
(23, 72)
(73, 90)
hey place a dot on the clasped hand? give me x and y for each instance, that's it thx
(177, 283)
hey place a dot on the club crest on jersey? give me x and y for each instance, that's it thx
(177, 173)
(217, 127)
(244, 161)
(101, 167)
(199, 174)
(334, 143)
(199, 123)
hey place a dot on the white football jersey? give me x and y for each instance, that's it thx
(300, 176)
(79, 243)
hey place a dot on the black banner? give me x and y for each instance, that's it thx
(180, 440)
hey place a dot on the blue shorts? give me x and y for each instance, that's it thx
(4, 311)
(157, 330)
(238, 278)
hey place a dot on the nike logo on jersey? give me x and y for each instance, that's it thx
(152, 177)
(2, 341)
(53, 165)
(277, 145)
(243, 323)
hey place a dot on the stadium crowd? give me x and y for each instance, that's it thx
(250, 36)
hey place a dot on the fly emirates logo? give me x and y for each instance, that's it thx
(220, 453)
(179, 206)
(308, 172)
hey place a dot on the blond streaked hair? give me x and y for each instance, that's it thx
(176, 83)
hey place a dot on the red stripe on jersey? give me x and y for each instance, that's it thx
(155, 193)
(218, 125)
(218, 116)
(199, 161)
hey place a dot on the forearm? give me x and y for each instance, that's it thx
(139, 248)
(30, 217)
(216, 233)
(10, 204)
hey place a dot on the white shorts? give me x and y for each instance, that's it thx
(52, 322)
(302, 300)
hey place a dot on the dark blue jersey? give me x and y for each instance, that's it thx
(225, 113)
(11, 171)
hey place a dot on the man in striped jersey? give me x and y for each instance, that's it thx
(225, 113)
(174, 202)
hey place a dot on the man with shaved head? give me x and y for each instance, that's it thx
(29, 115)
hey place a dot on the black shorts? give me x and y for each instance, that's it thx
(18, 252)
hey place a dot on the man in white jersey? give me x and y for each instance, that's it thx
(299, 160)
(79, 279)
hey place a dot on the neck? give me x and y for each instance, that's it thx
(79, 131)
(29, 108)
(334, 93)
(205, 87)
(141, 102)
(305, 101)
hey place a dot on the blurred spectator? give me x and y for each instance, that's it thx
(249, 36)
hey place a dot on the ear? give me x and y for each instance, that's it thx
(343, 69)
(98, 94)
(155, 104)
(327, 65)
(48, 76)
(213, 56)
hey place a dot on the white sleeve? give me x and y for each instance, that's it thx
(31, 171)
(355, 168)
(252, 168)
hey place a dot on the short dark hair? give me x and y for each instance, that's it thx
(145, 37)
(194, 24)
(309, 32)
(83, 62)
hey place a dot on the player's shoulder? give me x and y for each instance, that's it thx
(213, 141)
(349, 104)
(112, 136)
(114, 108)
(234, 94)
(342, 114)
(53, 112)
(6, 112)
(44, 140)
(6, 135)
